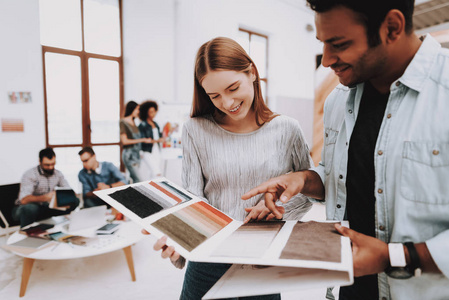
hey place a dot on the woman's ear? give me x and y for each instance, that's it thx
(253, 73)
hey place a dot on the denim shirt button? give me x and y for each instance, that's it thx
(382, 228)
(341, 176)
(398, 83)
(380, 152)
(338, 206)
(350, 111)
(389, 116)
(435, 152)
(380, 191)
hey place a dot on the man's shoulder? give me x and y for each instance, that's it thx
(440, 72)
(31, 173)
(108, 166)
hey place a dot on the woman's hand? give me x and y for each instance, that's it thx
(260, 212)
(168, 251)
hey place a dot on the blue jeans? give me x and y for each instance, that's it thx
(200, 277)
(131, 159)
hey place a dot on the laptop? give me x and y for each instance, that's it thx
(87, 218)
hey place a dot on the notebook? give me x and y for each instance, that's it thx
(31, 242)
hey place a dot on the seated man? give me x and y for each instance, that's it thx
(97, 176)
(37, 189)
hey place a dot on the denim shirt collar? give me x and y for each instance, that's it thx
(418, 71)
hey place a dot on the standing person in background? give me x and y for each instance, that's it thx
(131, 139)
(232, 141)
(151, 157)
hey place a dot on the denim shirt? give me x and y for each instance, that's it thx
(146, 131)
(411, 162)
(107, 173)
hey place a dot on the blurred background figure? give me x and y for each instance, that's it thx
(97, 176)
(151, 152)
(131, 139)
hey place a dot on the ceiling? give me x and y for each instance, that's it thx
(431, 13)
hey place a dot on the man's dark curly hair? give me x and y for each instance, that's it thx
(371, 12)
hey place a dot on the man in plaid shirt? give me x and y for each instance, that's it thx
(37, 188)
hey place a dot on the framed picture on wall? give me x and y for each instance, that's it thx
(19, 97)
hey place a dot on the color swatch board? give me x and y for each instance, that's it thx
(203, 233)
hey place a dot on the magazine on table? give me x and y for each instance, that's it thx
(202, 233)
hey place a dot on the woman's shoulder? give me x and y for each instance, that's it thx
(202, 122)
(284, 121)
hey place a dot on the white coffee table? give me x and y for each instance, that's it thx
(127, 235)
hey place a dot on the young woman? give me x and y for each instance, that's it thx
(151, 157)
(233, 142)
(131, 139)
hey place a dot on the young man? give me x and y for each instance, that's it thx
(385, 160)
(37, 188)
(97, 176)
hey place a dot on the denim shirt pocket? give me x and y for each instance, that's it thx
(330, 138)
(425, 172)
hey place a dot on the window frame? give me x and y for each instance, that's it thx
(250, 34)
(85, 99)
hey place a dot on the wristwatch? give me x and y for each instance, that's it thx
(398, 268)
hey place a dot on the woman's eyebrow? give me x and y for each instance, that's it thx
(225, 88)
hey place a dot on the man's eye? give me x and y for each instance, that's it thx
(233, 90)
(339, 46)
(214, 97)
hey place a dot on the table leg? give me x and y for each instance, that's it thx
(129, 260)
(26, 272)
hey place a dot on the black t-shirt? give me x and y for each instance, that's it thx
(360, 201)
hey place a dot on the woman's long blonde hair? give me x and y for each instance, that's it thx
(225, 54)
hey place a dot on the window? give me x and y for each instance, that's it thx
(256, 45)
(82, 59)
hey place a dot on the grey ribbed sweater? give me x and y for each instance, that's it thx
(221, 166)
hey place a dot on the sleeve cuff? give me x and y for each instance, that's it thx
(439, 247)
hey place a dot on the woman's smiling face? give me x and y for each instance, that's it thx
(231, 92)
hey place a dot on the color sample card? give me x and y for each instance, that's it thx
(176, 190)
(147, 199)
(192, 225)
(250, 240)
(171, 196)
(313, 241)
(136, 202)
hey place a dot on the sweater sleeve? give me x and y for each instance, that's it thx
(299, 204)
(192, 175)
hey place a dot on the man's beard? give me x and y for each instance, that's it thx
(48, 172)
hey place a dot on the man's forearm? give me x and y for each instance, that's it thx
(33, 198)
(90, 195)
(118, 183)
(313, 186)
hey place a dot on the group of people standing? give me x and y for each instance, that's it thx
(141, 144)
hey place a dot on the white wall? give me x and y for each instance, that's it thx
(148, 49)
(175, 29)
(20, 70)
(160, 40)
